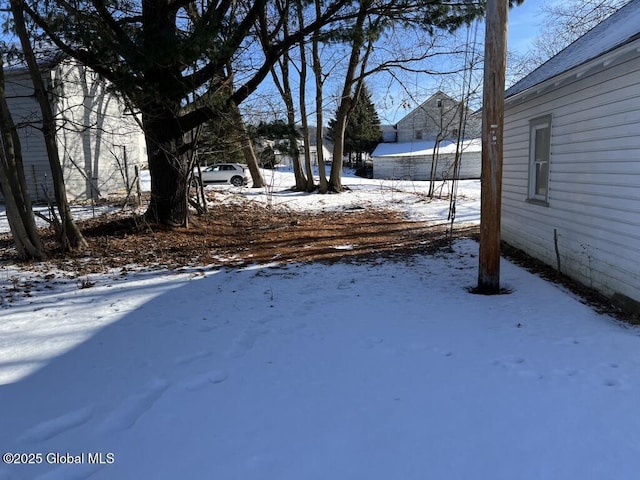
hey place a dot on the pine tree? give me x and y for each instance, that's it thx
(363, 131)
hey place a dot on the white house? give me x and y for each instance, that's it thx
(429, 134)
(414, 160)
(571, 175)
(99, 142)
(437, 118)
(285, 160)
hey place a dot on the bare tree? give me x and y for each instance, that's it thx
(369, 54)
(69, 234)
(159, 55)
(14, 186)
(247, 147)
(319, 84)
(280, 73)
(310, 186)
(562, 24)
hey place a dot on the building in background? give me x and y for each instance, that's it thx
(100, 142)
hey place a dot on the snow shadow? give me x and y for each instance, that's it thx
(379, 370)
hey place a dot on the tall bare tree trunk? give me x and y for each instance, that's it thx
(294, 150)
(247, 148)
(13, 185)
(310, 186)
(349, 94)
(317, 72)
(70, 237)
(284, 87)
(433, 175)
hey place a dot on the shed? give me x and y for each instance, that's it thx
(413, 160)
(99, 141)
(571, 175)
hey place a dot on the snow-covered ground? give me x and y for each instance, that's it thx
(407, 196)
(380, 370)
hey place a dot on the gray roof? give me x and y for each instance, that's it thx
(47, 59)
(619, 29)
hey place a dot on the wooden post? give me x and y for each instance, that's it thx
(492, 129)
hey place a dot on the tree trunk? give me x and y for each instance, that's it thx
(168, 165)
(434, 167)
(294, 151)
(13, 186)
(348, 98)
(247, 149)
(310, 182)
(284, 87)
(70, 236)
(317, 72)
(335, 180)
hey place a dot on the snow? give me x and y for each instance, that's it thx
(408, 196)
(418, 147)
(425, 148)
(615, 31)
(372, 370)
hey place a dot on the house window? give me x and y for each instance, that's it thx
(419, 134)
(539, 155)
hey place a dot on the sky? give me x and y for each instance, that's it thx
(379, 369)
(394, 101)
(524, 25)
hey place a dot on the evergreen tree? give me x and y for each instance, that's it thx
(219, 141)
(363, 131)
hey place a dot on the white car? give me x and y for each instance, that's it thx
(221, 173)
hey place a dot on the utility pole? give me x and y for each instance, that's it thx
(495, 59)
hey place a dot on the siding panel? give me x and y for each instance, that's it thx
(93, 133)
(594, 186)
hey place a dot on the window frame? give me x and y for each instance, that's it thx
(535, 125)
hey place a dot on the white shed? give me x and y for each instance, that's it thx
(571, 176)
(413, 160)
(99, 141)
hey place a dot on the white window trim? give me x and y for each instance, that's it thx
(535, 125)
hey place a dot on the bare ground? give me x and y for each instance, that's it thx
(246, 233)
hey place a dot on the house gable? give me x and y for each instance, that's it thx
(438, 118)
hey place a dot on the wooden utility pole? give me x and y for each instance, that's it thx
(495, 59)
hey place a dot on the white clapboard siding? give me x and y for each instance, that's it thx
(26, 116)
(594, 184)
(99, 143)
(93, 132)
(418, 167)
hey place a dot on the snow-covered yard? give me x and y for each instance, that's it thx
(373, 370)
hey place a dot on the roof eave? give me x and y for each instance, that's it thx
(601, 62)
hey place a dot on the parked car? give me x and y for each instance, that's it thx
(222, 173)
